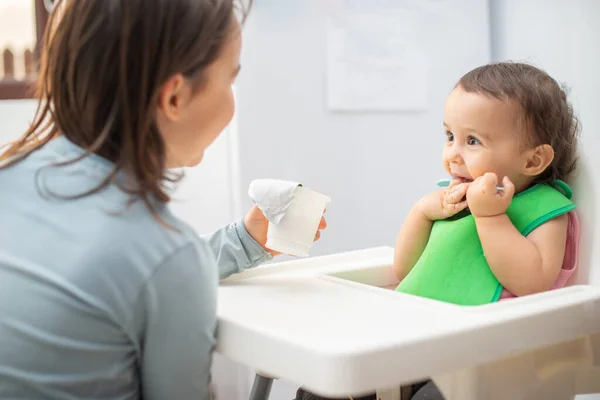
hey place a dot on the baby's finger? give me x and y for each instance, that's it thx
(456, 193)
(454, 182)
(454, 208)
(509, 187)
(458, 207)
(489, 182)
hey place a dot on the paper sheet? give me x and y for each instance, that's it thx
(374, 60)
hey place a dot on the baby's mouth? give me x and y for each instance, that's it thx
(462, 179)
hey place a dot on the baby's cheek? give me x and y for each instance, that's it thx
(477, 172)
(479, 165)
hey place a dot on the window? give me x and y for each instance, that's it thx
(22, 24)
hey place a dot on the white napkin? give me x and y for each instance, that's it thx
(272, 197)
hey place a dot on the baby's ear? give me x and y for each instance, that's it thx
(538, 159)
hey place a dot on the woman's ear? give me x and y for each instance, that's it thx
(538, 159)
(171, 98)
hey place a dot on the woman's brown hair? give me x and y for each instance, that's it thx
(102, 67)
(547, 115)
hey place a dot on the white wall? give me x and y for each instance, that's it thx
(15, 116)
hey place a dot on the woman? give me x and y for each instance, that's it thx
(103, 293)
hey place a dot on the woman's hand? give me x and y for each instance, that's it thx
(257, 224)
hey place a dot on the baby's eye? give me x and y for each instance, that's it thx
(450, 136)
(473, 141)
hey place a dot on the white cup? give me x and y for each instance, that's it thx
(295, 233)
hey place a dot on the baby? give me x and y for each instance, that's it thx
(503, 227)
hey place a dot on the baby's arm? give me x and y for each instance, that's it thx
(414, 235)
(411, 241)
(523, 265)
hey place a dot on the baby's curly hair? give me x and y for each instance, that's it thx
(547, 114)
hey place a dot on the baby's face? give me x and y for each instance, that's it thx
(482, 135)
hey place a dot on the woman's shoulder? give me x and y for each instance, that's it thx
(138, 234)
(107, 225)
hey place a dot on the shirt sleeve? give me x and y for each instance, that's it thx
(235, 250)
(176, 322)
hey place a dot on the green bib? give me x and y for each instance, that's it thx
(453, 267)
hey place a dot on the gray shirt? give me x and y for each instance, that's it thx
(98, 300)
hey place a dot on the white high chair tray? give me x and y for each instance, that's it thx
(335, 325)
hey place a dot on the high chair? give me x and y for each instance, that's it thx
(333, 325)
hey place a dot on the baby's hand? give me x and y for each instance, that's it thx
(485, 200)
(444, 203)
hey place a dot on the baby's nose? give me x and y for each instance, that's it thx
(454, 155)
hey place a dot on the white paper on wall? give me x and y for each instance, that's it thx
(374, 60)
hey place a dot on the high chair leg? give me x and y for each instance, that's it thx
(261, 388)
(406, 392)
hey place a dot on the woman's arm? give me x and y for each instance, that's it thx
(175, 321)
(235, 250)
(241, 245)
